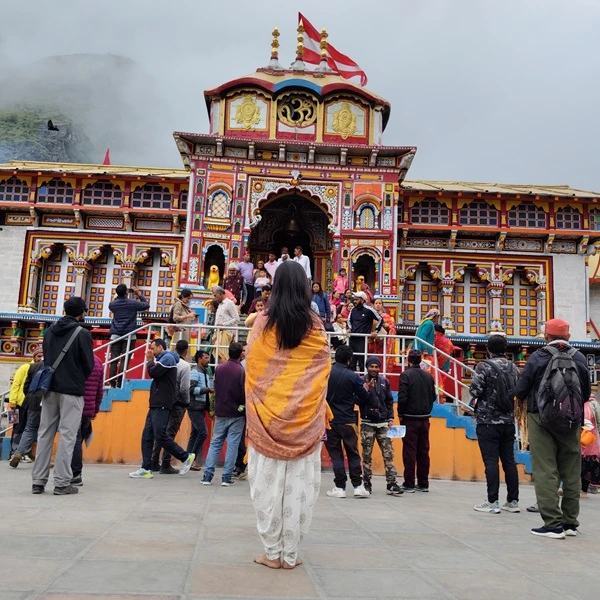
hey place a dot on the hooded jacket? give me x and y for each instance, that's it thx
(17, 393)
(163, 370)
(380, 406)
(125, 312)
(344, 390)
(417, 393)
(532, 374)
(94, 390)
(78, 362)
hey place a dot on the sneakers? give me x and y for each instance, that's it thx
(488, 507)
(337, 492)
(512, 506)
(534, 508)
(393, 489)
(422, 489)
(26, 459)
(187, 465)
(65, 490)
(408, 490)
(77, 480)
(206, 480)
(570, 530)
(155, 467)
(243, 476)
(557, 534)
(368, 486)
(37, 489)
(167, 469)
(361, 492)
(15, 460)
(227, 483)
(142, 474)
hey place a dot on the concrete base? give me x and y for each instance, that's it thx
(171, 538)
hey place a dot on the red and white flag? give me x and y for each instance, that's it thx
(107, 157)
(338, 62)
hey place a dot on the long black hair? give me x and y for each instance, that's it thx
(289, 309)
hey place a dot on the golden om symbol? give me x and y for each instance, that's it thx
(297, 112)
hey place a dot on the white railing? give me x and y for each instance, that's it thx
(5, 426)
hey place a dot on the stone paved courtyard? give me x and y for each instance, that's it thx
(171, 538)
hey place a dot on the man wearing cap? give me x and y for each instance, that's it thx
(363, 320)
(62, 406)
(555, 457)
(415, 401)
(377, 414)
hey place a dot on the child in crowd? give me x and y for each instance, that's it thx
(261, 279)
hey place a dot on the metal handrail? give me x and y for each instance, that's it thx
(4, 413)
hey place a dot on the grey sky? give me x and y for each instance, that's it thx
(488, 90)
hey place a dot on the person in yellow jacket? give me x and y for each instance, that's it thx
(16, 398)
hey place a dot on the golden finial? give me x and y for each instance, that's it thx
(300, 47)
(324, 36)
(275, 43)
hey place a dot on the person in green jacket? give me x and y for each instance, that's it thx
(425, 335)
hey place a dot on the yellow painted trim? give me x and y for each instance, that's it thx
(447, 202)
(495, 202)
(141, 184)
(25, 178)
(371, 126)
(320, 121)
(222, 109)
(370, 177)
(44, 179)
(255, 170)
(223, 167)
(279, 171)
(340, 175)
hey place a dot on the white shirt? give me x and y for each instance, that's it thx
(304, 263)
(227, 314)
(271, 267)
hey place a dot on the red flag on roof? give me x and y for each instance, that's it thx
(107, 157)
(338, 62)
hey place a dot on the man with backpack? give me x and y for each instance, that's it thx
(493, 390)
(555, 382)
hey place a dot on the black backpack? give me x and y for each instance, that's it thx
(558, 397)
(506, 382)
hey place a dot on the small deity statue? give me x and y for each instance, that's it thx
(213, 277)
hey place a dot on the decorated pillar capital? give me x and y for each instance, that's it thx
(495, 291)
(446, 287)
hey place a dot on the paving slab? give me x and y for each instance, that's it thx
(170, 538)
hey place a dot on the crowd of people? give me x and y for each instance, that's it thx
(276, 401)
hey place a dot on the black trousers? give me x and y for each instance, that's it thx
(175, 419)
(415, 452)
(198, 434)
(240, 465)
(155, 429)
(85, 430)
(498, 442)
(358, 345)
(18, 428)
(117, 351)
(340, 439)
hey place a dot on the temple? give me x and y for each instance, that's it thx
(295, 157)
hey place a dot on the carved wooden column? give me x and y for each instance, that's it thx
(128, 272)
(540, 291)
(401, 284)
(82, 272)
(35, 266)
(447, 289)
(495, 291)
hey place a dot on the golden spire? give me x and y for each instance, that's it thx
(324, 36)
(275, 43)
(298, 64)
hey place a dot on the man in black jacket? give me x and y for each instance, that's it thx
(555, 457)
(377, 414)
(344, 390)
(363, 319)
(63, 404)
(415, 401)
(124, 321)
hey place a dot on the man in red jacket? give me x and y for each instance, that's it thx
(92, 398)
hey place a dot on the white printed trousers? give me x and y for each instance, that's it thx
(284, 493)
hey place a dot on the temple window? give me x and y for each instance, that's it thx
(237, 228)
(430, 212)
(239, 209)
(197, 206)
(367, 217)
(183, 200)
(153, 196)
(197, 224)
(470, 306)
(527, 215)
(235, 252)
(57, 283)
(194, 248)
(218, 205)
(102, 193)
(568, 217)
(595, 219)
(105, 276)
(13, 190)
(55, 191)
(480, 214)
(154, 280)
(400, 213)
(519, 309)
(421, 294)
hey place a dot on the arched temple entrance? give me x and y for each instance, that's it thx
(292, 220)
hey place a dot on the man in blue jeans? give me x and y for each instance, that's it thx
(230, 400)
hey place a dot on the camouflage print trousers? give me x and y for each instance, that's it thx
(368, 435)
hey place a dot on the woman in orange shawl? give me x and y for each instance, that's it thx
(287, 369)
(376, 347)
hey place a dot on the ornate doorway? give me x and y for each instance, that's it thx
(293, 220)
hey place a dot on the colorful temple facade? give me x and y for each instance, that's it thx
(295, 157)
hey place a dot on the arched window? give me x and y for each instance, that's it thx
(183, 199)
(194, 248)
(595, 219)
(240, 190)
(199, 186)
(218, 205)
(430, 212)
(197, 206)
(568, 217)
(235, 252)
(237, 228)
(197, 224)
(478, 213)
(13, 190)
(239, 209)
(367, 217)
(527, 215)
(55, 191)
(102, 193)
(152, 195)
